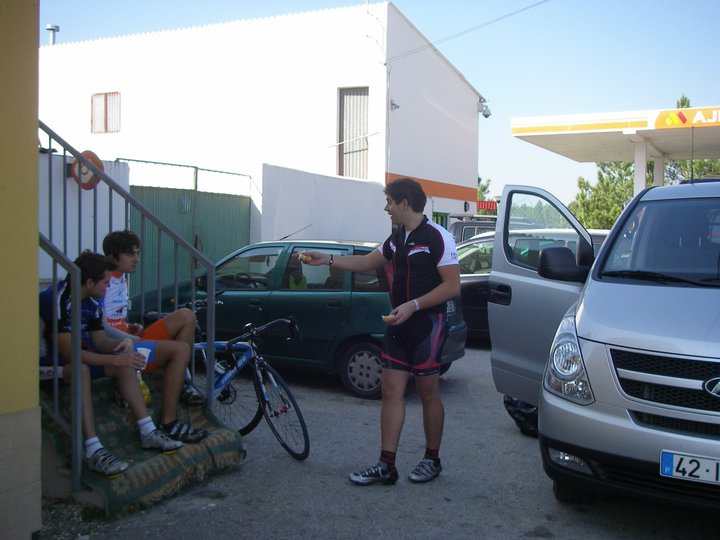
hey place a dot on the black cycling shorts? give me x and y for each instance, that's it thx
(416, 345)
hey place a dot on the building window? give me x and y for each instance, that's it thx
(105, 113)
(352, 132)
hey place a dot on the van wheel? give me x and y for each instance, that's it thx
(571, 493)
(361, 369)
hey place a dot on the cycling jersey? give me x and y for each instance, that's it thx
(90, 313)
(91, 319)
(415, 258)
(416, 345)
(115, 304)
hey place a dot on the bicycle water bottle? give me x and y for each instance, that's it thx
(147, 398)
(144, 389)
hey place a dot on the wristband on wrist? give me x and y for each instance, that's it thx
(417, 304)
(331, 260)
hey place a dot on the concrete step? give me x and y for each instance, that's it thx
(152, 476)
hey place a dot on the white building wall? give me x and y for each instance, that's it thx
(301, 205)
(237, 95)
(58, 198)
(227, 96)
(433, 134)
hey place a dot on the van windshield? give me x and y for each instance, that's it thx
(675, 242)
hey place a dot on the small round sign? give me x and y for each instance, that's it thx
(82, 174)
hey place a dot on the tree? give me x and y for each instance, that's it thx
(483, 188)
(598, 206)
(690, 169)
(683, 102)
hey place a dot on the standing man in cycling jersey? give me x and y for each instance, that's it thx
(425, 276)
(124, 248)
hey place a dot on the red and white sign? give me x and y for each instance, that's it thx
(82, 174)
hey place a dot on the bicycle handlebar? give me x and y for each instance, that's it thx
(252, 331)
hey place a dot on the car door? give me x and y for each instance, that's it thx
(475, 258)
(525, 309)
(319, 299)
(248, 277)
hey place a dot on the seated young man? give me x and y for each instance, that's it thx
(104, 356)
(124, 248)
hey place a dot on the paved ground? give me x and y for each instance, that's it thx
(492, 485)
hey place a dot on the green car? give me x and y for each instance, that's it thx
(338, 312)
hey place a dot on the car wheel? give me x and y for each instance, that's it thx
(571, 493)
(361, 369)
(524, 414)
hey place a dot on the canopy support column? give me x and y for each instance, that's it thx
(640, 166)
(658, 170)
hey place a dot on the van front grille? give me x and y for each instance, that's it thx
(644, 387)
(669, 366)
(679, 425)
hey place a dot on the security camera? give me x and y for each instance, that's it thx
(486, 112)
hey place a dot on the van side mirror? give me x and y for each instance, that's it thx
(559, 263)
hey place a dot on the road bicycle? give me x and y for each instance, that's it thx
(245, 387)
(243, 396)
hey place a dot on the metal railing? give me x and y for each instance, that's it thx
(73, 218)
(52, 406)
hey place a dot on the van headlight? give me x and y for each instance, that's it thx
(565, 374)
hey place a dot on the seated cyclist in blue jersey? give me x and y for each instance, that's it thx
(104, 356)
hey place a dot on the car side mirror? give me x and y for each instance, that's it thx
(559, 263)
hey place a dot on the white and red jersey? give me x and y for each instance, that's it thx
(116, 302)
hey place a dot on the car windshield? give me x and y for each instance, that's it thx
(675, 242)
(250, 269)
(475, 257)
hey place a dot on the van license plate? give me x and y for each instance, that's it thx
(688, 467)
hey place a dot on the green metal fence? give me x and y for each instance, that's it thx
(215, 223)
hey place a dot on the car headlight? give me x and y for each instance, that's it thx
(565, 374)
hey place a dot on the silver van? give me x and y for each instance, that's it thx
(621, 354)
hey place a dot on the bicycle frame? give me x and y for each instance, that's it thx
(221, 380)
(277, 405)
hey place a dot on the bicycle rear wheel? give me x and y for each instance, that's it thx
(236, 405)
(281, 411)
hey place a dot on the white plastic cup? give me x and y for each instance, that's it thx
(146, 354)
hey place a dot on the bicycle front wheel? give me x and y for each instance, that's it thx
(281, 411)
(236, 405)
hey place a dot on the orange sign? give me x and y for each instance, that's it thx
(686, 118)
(82, 174)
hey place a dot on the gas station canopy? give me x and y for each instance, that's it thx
(638, 136)
(692, 133)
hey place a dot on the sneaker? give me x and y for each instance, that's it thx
(183, 432)
(377, 473)
(158, 440)
(104, 462)
(191, 396)
(426, 470)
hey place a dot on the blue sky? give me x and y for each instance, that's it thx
(557, 57)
